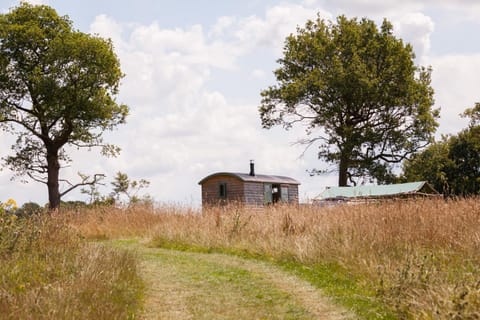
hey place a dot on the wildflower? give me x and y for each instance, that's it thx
(11, 204)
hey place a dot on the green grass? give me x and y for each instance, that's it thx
(215, 286)
(346, 289)
(230, 287)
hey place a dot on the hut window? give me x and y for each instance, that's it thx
(222, 190)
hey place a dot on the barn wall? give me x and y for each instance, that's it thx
(211, 194)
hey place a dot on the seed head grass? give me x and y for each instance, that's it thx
(48, 272)
(421, 258)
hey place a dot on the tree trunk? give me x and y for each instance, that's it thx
(343, 171)
(52, 183)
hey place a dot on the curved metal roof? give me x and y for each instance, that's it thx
(256, 178)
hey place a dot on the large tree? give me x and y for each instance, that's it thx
(432, 164)
(453, 164)
(57, 89)
(465, 154)
(359, 93)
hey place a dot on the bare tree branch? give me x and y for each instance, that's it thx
(96, 178)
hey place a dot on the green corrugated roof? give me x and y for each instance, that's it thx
(375, 190)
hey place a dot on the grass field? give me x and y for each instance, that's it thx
(396, 260)
(197, 285)
(48, 272)
(407, 260)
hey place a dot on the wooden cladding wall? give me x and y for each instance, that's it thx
(211, 190)
(221, 189)
(254, 194)
(293, 193)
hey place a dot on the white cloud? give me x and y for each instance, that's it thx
(415, 28)
(186, 45)
(180, 130)
(36, 2)
(377, 9)
(258, 73)
(278, 23)
(373, 8)
(107, 27)
(455, 79)
(221, 26)
(182, 127)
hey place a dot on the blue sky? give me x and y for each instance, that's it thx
(195, 69)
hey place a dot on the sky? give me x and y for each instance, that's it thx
(194, 71)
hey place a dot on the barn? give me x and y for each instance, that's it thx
(374, 193)
(249, 189)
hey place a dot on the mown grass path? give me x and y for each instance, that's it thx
(189, 285)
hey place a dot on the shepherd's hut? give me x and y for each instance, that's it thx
(250, 189)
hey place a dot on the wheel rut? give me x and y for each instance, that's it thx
(188, 285)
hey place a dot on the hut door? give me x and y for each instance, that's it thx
(267, 194)
(276, 193)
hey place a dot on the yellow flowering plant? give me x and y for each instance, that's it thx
(9, 226)
(9, 206)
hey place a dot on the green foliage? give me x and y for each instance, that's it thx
(73, 204)
(92, 192)
(57, 88)
(123, 185)
(473, 114)
(452, 165)
(96, 198)
(9, 232)
(28, 209)
(356, 88)
(432, 164)
(465, 155)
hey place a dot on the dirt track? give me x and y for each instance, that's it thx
(186, 285)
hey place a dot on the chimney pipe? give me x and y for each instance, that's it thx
(252, 168)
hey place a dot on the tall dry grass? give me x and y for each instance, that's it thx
(48, 272)
(422, 257)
